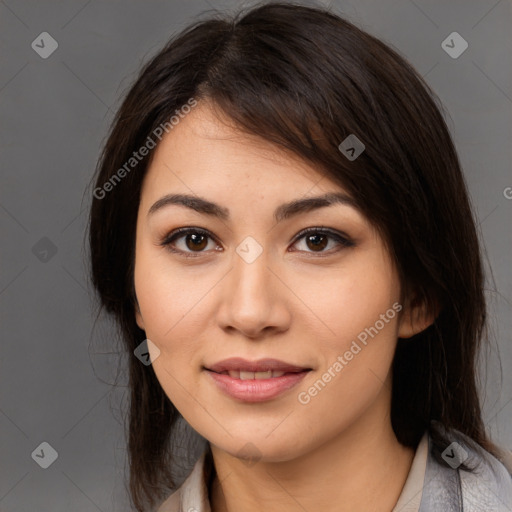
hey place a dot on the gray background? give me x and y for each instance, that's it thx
(56, 372)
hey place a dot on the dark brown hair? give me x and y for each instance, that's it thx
(305, 79)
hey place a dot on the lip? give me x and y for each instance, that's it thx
(261, 365)
(255, 390)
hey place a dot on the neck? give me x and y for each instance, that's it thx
(363, 468)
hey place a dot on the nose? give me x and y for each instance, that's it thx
(255, 302)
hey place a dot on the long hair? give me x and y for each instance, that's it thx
(305, 79)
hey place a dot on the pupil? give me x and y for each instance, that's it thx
(197, 240)
(317, 244)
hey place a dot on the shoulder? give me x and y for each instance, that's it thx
(465, 477)
(489, 486)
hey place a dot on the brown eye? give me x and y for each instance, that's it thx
(196, 241)
(187, 241)
(317, 241)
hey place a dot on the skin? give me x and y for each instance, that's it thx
(336, 453)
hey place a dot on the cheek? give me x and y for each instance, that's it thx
(354, 376)
(169, 298)
(358, 310)
(347, 302)
(171, 311)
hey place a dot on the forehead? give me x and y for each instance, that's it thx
(206, 150)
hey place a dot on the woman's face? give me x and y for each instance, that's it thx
(242, 284)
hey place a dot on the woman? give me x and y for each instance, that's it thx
(281, 228)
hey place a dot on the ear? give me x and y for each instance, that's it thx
(138, 317)
(415, 318)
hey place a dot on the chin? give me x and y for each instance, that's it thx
(256, 447)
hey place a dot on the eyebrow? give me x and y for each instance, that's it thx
(282, 212)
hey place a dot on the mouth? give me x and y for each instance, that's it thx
(237, 367)
(255, 381)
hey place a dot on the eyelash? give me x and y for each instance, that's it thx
(343, 241)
